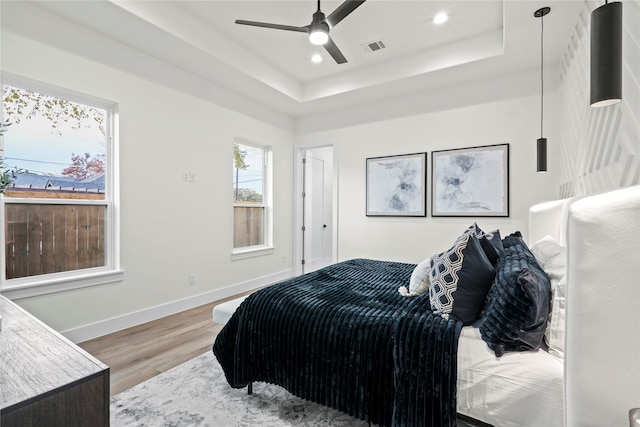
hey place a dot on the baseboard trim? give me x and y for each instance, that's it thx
(115, 324)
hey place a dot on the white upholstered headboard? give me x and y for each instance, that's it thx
(549, 219)
(602, 349)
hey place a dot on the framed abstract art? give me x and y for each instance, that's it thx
(396, 185)
(470, 182)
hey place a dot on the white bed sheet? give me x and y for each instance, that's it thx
(519, 389)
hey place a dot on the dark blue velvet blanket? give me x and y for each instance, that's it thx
(343, 337)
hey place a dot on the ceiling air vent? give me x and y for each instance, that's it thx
(374, 46)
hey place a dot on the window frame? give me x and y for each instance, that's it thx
(267, 204)
(30, 286)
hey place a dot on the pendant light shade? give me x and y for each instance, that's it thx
(541, 148)
(542, 154)
(606, 55)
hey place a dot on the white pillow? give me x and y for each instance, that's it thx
(552, 257)
(419, 282)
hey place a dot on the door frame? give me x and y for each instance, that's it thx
(299, 152)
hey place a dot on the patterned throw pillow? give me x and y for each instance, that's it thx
(461, 278)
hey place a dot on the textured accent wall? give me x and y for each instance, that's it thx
(600, 147)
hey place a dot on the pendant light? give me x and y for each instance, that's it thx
(606, 55)
(541, 148)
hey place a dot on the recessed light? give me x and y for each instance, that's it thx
(440, 18)
(316, 58)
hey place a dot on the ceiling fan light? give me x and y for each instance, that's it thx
(319, 36)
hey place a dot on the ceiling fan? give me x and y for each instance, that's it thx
(319, 28)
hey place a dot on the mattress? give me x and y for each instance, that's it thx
(518, 389)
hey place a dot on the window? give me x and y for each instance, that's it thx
(58, 207)
(251, 231)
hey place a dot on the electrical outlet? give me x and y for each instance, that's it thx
(185, 176)
(192, 279)
(192, 177)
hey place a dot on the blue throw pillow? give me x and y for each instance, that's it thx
(514, 239)
(491, 244)
(461, 278)
(518, 304)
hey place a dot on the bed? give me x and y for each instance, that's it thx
(362, 348)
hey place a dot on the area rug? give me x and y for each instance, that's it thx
(196, 393)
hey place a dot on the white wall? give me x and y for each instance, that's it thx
(590, 150)
(169, 228)
(600, 146)
(513, 121)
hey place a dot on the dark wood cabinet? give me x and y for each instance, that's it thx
(45, 379)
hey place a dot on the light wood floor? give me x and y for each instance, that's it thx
(141, 352)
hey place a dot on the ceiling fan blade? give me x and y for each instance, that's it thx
(334, 52)
(342, 11)
(274, 26)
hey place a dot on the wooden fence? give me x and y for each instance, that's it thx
(248, 224)
(50, 238)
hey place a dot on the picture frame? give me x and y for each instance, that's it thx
(471, 182)
(397, 185)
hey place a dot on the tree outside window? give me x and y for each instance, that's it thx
(53, 144)
(248, 195)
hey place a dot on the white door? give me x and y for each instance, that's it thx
(317, 211)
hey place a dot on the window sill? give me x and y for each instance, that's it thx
(255, 251)
(58, 282)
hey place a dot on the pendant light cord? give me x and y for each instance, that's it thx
(542, 141)
(541, 75)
